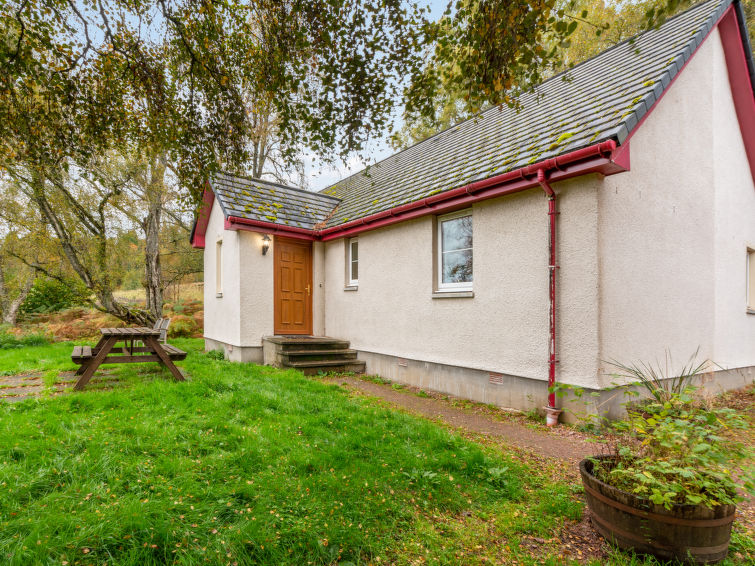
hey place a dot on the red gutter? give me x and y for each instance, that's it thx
(595, 158)
(552, 267)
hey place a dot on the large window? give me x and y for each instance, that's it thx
(353, 267)
(751, 280)
(455, 251)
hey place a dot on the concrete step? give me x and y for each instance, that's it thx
(299, 343)
(315, 367)
(317, 355)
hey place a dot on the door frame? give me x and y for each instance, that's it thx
(305, 244)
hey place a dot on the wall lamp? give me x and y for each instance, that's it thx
(265, 244)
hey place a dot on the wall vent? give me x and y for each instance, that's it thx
(496, 378)
(403, 362)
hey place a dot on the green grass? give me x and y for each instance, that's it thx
(251, 465)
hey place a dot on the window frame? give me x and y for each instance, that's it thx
(219, 267)
(440, 286)
(350, 261)
(750, 280)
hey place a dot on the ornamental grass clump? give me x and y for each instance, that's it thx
(682, 451)
(661, 383)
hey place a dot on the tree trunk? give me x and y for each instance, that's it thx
(100, 284)
(10, 307)
(130, 316)
(153, 276)
(153, 279)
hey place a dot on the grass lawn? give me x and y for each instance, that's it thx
(246, 465)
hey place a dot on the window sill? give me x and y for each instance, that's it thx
(453, 294)
(351, 288)
(750, 310)
(218, 295)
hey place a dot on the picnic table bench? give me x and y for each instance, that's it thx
(139, 344)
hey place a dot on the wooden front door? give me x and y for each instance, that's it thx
(293, 286)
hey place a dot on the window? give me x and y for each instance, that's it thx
(219, 268)
(751, 280)
(455, 251)
(353, 262)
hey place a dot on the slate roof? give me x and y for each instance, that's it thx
(271, 202)
(599, 99)
(602, 98)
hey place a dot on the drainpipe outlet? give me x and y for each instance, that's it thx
(551, 416)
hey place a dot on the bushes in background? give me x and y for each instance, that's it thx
(182, 326)
(8, 341)
(50, 295)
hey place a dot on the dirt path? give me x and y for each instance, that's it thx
(513, 429)
(15, 388)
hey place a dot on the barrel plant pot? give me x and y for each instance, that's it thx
(694, 534)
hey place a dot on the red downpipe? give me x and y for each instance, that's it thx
(552, 267)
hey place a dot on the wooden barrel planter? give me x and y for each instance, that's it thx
(694, 534)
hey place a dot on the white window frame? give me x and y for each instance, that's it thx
(219, 268)
(351, 261)
(451, 287)
(750, 280)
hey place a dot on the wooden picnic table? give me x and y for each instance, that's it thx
(139, 344)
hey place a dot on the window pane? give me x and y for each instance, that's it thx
(354, 251)
(457, 233)
(354, 271)
(457, 267)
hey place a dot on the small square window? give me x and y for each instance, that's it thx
(353, 262)
(454, 248)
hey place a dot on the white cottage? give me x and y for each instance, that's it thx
(612, 218)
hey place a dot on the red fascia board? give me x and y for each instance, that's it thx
(208, 198)
(592, 159)
(238, 223)
(739, 80)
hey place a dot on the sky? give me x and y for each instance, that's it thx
(320, 176)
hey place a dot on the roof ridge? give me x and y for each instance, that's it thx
(481, 113)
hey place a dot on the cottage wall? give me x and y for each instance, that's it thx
(222, 314)
(236, 321)
(503, 328)
(674, 231)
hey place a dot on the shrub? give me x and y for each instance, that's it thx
(679, 452)
(216, 355)
(183, 327)
(51, 295)
(8, 341)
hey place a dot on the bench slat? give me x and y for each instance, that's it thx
(81, 354)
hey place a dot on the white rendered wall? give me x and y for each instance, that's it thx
(734, 339)
(504, 327)
(221, 314)
(318, 288)
(673, 230)
(256, 289)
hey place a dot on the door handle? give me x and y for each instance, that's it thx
(309, 290)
